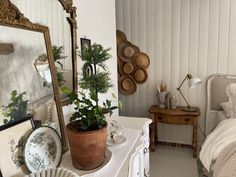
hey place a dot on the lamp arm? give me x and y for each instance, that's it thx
(183, 97)
(186, 77)
(182, 82)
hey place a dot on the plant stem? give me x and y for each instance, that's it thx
(96, 88)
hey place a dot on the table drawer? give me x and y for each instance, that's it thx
(175, 119)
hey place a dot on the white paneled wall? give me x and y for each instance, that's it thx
(180, 37)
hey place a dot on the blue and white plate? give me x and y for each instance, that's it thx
(43, 149)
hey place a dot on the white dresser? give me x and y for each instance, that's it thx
(137, 162)
(130, 160)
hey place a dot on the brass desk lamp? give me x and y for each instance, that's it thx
(192, 83)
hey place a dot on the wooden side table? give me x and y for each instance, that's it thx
(173, 116)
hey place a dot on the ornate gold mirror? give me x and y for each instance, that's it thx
(60, 17)
(24, 73)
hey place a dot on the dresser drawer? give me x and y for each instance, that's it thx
(175, 119)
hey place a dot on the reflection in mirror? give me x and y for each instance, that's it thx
(25, 78)
(56, 18)
(42, 66)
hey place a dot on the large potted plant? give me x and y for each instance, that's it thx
(87, 128)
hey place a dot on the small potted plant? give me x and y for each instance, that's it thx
(87, 128)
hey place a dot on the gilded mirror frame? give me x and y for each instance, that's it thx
(69, 8)
(10, 16)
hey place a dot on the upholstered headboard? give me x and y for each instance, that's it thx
(216, 94)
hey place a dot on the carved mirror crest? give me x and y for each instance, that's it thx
(60, 17)
(25, 72)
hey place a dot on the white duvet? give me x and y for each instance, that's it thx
(223, 135)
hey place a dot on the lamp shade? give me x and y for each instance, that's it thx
(193, 82)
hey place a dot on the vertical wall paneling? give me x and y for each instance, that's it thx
(166, 42)
(127, 31)
(175, 56)
(166, 64)
(150, 50)
(119, 14)
(134, 11)
(232, 39)
(119, 22)
(180, 37)
(213, 36)
(158, 18)
(184, 46)
(193, 46)
(223, 36)
(142, 43)
(202, 56)
(175, 44)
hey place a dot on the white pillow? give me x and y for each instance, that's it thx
(226, 106)
(231, 92)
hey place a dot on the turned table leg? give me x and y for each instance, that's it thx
(153, 133)
(194, 140)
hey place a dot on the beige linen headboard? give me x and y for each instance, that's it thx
(216, 94)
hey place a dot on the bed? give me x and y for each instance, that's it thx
(216, 84)
(218, 153)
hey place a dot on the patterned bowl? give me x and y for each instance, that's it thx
(56, 172)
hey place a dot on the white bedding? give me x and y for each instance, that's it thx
(220, 115)
(223, 135)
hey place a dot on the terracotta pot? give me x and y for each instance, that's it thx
(87, 148)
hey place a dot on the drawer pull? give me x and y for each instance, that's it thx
(145, 150)
(187, 120)
(146, 174)
(159, 118)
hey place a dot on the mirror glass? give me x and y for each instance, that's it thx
(25, 78)
(51, 13)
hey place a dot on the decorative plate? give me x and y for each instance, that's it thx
(119, 140)
(43, 149)
(56, 172)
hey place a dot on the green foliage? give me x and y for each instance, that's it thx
(91, 116)
(60, 79)
(58, 56)
(16, 109)
(95, 79)
(98, 81)
(95, 54)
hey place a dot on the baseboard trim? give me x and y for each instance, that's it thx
(180, 145)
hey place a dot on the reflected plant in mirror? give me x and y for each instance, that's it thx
(42, 66)
(58, 56)
(16, 109)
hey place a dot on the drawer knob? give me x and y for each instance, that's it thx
(160, 118)
(187, 120)
(145, 150)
